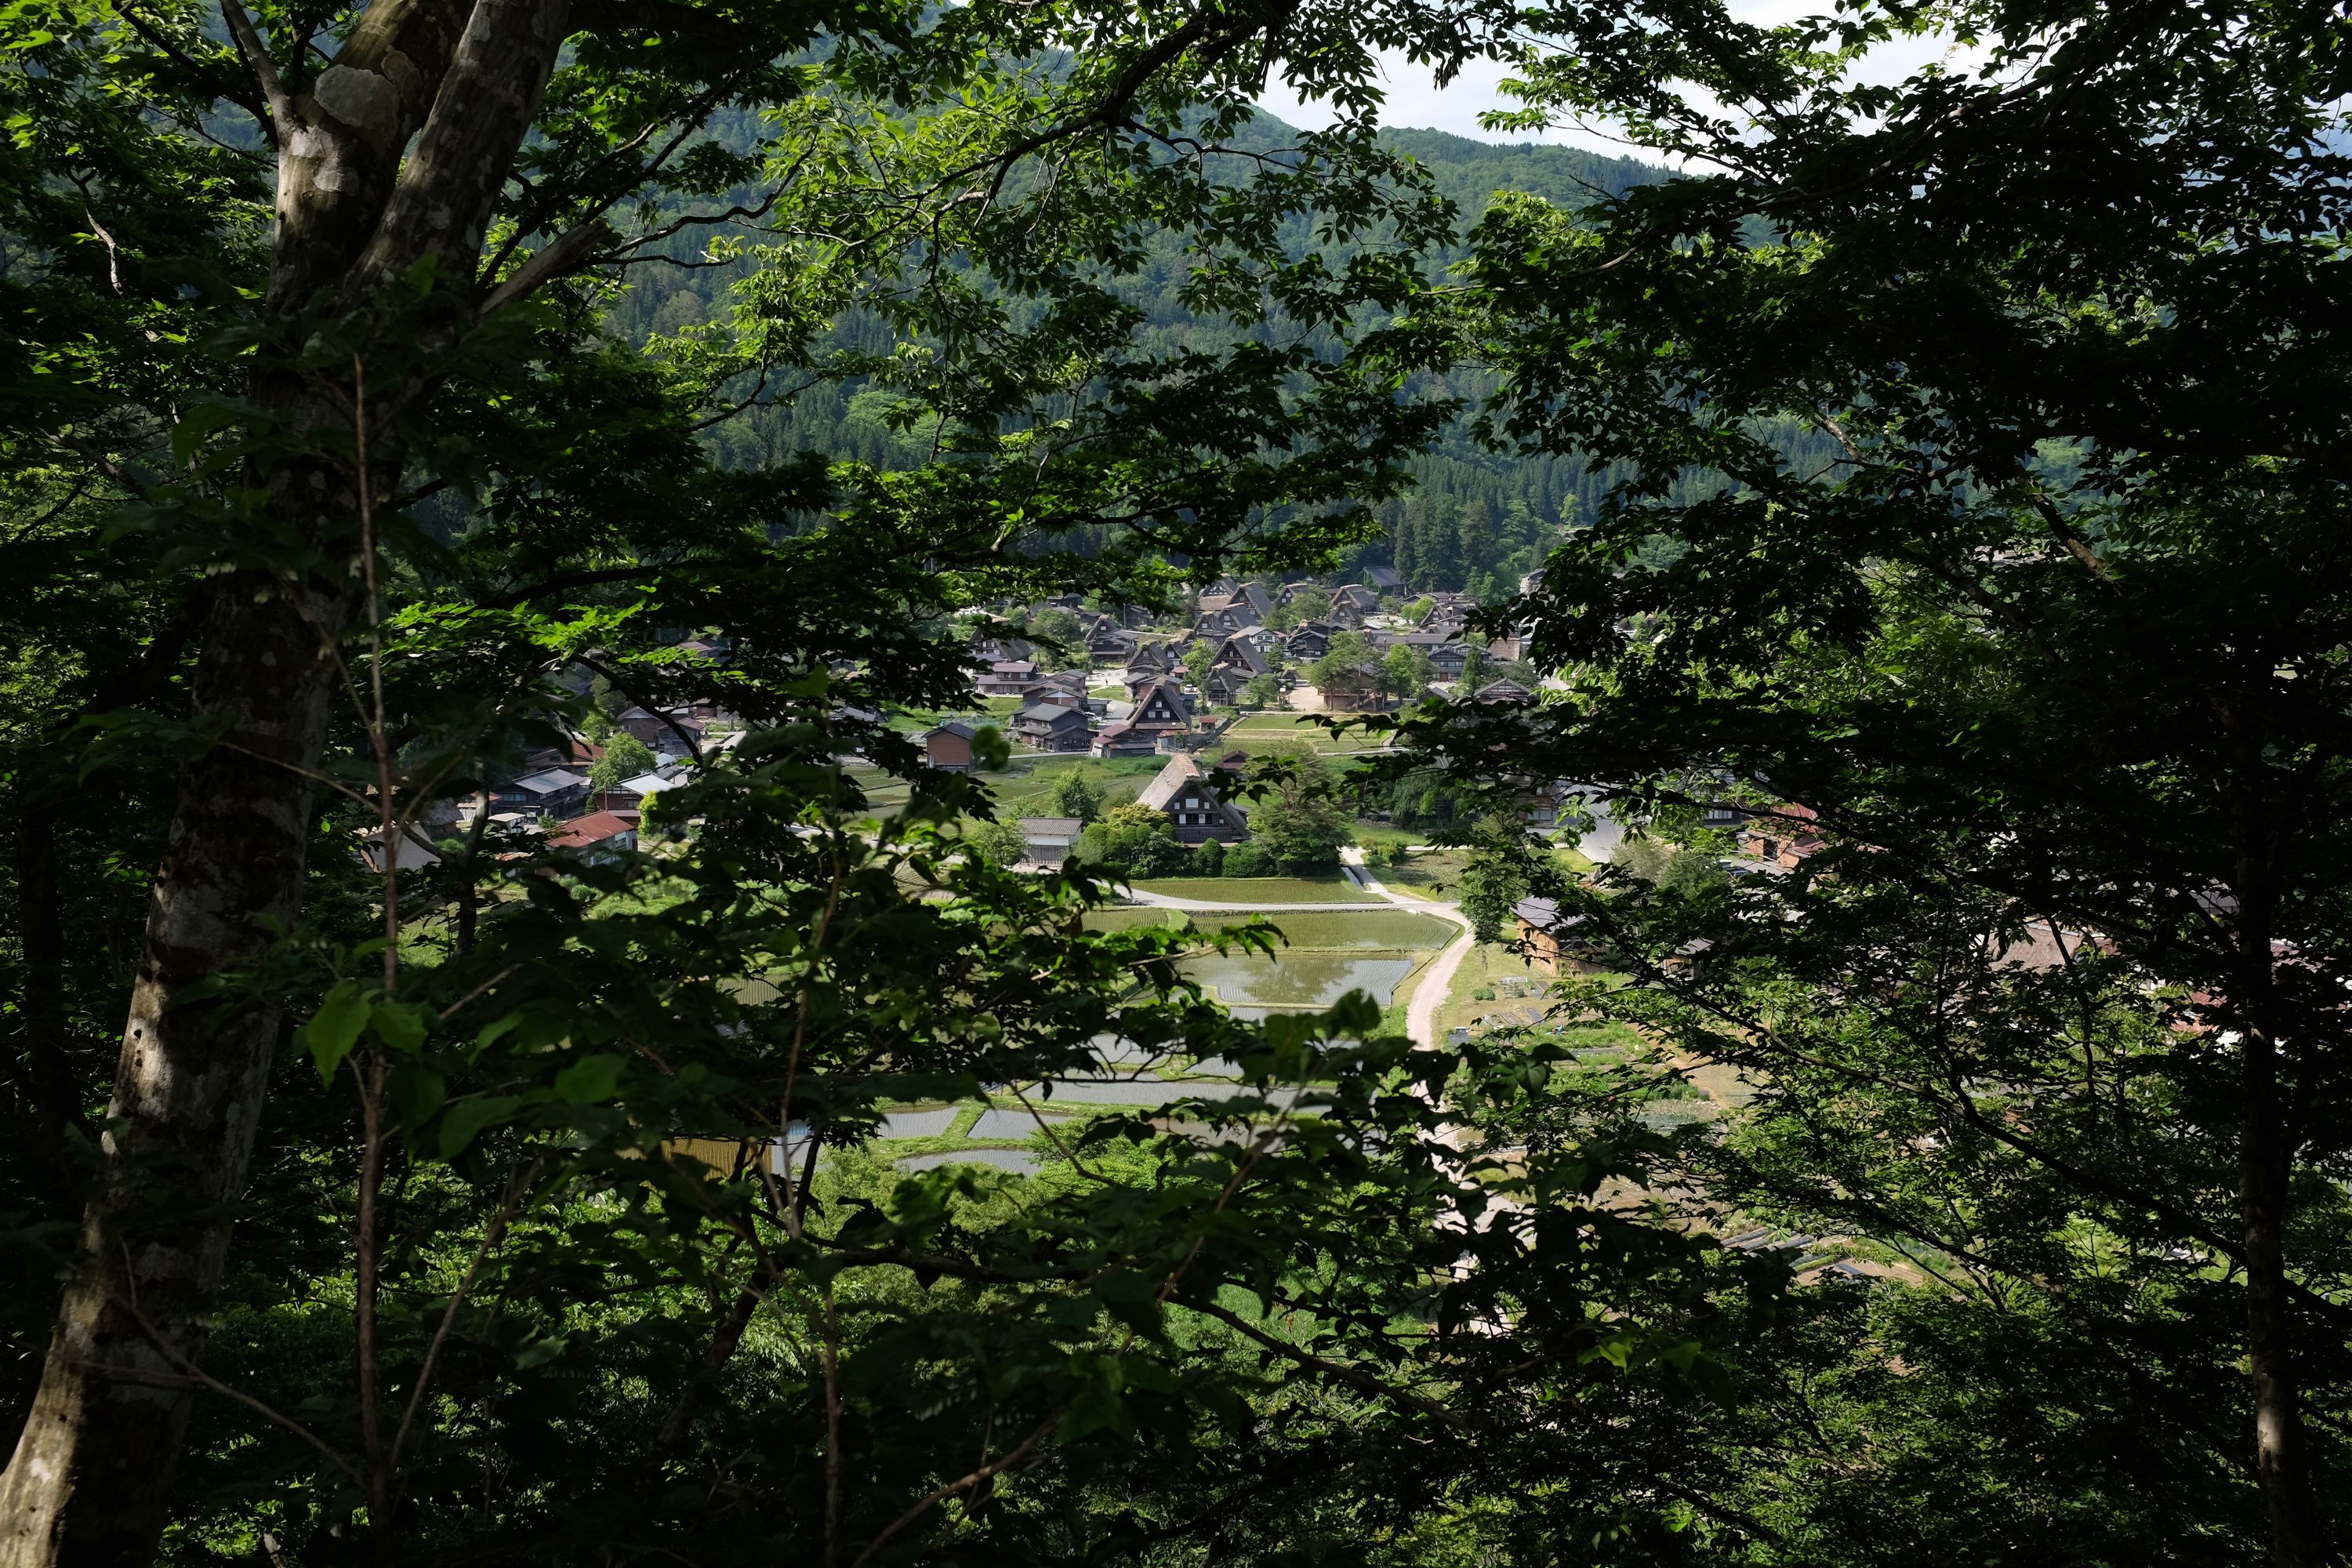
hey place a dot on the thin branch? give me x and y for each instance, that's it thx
(790, 1215)
(204, 74)
(940, 1494)
(514, 598)
(80, 485)
(265, 74)
(197, 1376)
(453, 1009)
(1061, 1148)
(113, 471)
(113, 255)
(490, 1240)
(1354, 1377)
(832, 1432)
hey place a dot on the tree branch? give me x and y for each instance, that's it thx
(265, 74)
(569, 253)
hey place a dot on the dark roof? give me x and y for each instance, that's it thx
(1245, 652)
(1175, 694)
(1544, 914)
(593, 829)
(956, 727)
(1048, 712)
(554, 781)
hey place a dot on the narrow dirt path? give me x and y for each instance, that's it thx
(1429, 993)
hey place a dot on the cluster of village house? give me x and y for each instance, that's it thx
(1156, 712)
(1159, 713)
(1768, 843)
(554, 785)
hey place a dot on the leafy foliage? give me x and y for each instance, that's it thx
(1972, 514)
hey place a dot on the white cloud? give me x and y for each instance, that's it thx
(1414, 100)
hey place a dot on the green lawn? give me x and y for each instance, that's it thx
(1334, 930)
(1369, 834)
(1331, 889)
(1259, 729)
(1029, 791)
(1434, 875)
(1488, 967)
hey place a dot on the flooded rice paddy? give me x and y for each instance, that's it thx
(1293, 979)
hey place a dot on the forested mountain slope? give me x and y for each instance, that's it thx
(1479, 520)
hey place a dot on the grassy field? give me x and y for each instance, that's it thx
(1487, 966)
(1029, 791)
(1332, 889)
(1382, 834)
(1434, 873)
(1482, 967)
(1257, 730)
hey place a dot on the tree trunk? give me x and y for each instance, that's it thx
(2265, 1170)
(93, 1468)
(41, 1004)
(2265, 1164)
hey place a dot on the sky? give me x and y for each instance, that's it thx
(1415, 101)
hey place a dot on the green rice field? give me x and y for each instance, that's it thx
(1328, 932)
(1332, 889)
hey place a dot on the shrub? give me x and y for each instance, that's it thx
(1208, 859)
(624, 757)
(1136, 840)
(999, 843)
(1248, 860)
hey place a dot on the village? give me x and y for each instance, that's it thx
(1238, 673)
(1130, 743)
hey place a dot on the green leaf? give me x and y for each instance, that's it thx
(539, 1353)
(1099, 1402)
(492, 1031)
(592, 1078)
(201, 420)
(416, 1093)
(335, 1028)
(400, 1026)
(469, 1117)
(1132, 1299)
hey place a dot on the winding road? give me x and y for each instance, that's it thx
(1429, 993)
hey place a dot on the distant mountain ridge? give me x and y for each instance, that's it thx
(1478, 520)
(1470, 171)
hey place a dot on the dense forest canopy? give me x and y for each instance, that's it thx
(1938, 493)
(1475, 520)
